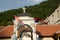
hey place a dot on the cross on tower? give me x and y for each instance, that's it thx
(24, 9)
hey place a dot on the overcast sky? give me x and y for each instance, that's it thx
(13, 4)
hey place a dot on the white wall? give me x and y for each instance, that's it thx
(48, 38)
(27, 19)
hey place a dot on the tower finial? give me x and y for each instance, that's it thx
(24, 9)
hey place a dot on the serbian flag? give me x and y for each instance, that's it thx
(38, 20)
(19, 21)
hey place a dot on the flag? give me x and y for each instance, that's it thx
(19, 21)
(16, 18)
(38, 20)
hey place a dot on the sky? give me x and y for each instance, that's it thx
(14, 4)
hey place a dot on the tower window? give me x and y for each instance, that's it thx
(52, 15)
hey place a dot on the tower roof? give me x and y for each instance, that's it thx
(24, 14)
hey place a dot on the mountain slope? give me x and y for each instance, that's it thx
(42, 10)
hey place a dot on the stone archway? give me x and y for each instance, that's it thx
(28, 26)
(26, 32)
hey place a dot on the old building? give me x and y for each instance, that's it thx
(54, 18)
(25, 28)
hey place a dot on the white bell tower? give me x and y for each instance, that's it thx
(26, 19)
(24, 9)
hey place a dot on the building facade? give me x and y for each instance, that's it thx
(54, 18)
(25, 28)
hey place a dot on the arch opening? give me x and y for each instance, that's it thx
(25, 32)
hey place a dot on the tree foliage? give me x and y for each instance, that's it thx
(41, 10)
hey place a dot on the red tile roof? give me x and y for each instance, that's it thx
(48, 30)
(2, 27)
(7, 32)
(44, 30)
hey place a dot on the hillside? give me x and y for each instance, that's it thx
(42, 10)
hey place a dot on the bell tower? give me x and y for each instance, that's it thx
(24, 9)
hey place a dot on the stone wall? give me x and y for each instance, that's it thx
(54, 18)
